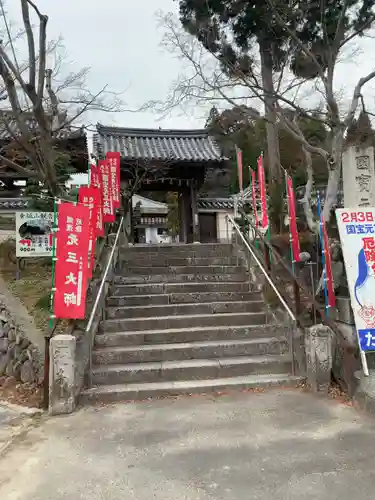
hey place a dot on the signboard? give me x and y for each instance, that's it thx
(357, 233)
(34, 236)
(72, 255)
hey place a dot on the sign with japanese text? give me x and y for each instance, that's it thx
(113, 160)
(34, 235)
(90, 197)
(108, 210)
(357, 233)
(71, 271)
(358, 177)
(95, 181)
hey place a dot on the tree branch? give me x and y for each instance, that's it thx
(15, 166)
(30, 43)
(356, 97)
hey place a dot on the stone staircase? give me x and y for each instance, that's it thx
(182, 319)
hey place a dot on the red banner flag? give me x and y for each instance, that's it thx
(71, 272)
(262, 188)
(90, 197)
(239, 168)
(294, 239)
(254, 195)
(95, 181)
(108, 211)
(328, 266)
(113, 160)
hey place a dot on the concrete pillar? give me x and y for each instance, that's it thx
(187, 214)
(182, 236)
(358, 177)
(62, 375)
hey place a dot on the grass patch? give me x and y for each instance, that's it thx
(34, 286)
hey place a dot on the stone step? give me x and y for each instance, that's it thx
(140, 391)
(188, 350)
(181, 298)
(183, 309)
(183, 270)
(164, 260)
(183, 335)
(178, 288)
(178, 250)
(180, 278)
(202, 320)
(196, 369)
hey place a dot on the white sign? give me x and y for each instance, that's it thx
(357, 233)
(34, 234)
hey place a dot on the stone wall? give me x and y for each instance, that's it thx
(21, 343)
(19, 358)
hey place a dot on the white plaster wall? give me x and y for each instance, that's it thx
(222, 233)
(152, 236)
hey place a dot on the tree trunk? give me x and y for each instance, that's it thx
(334, 176)
(273, 150)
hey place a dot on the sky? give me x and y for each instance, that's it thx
(120, 41)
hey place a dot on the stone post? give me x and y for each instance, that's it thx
(318, 345)
(358, 177)
(62, 375)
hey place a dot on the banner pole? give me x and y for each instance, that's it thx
(323, 254)
(49, 333)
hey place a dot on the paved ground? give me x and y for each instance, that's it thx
(14, 420)
(277, 445)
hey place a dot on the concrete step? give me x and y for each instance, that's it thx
(181, 298)
(160, 322)
(182, 335)
(183, 309)
(195, 270)
(163, 260)
(196, 369)
(181, 278)
(179, 288)
(188, 350)
(139, 391)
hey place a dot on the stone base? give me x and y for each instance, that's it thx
(318, 345)
(364, 396)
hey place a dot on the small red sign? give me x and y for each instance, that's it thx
(95, 181)
(113, 160)
(108, 210)
(90, 197)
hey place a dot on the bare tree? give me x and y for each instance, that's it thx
(42, 107)
(203, 82)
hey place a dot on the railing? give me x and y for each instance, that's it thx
(255, 257)
(292, 288)
(100, 295)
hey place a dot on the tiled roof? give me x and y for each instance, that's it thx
(9, 128)
(215, 203)
(14, 203)
(162, 145)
